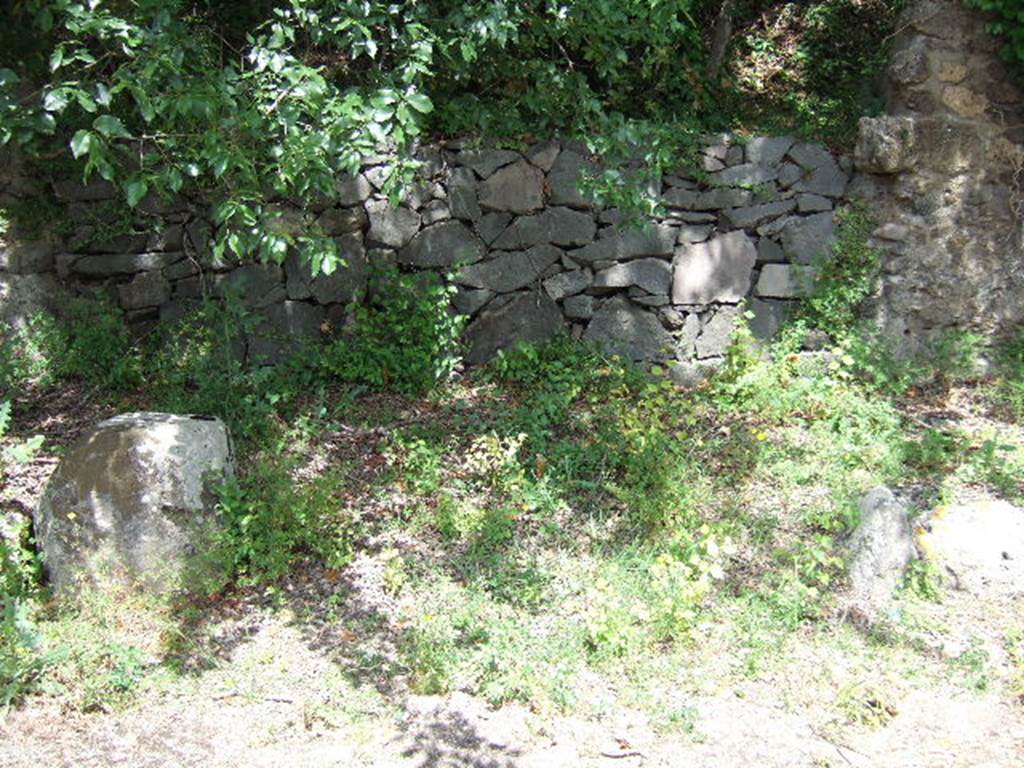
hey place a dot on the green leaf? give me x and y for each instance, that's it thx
(56, 100)
(135, 190)
(420, 102)
(174, 179)
(109, 125)
(80, 143)
(85, 101)
(56, 58)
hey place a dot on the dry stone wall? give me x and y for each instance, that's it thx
(530, 254)
(942, 174)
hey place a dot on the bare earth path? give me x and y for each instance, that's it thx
(277, 702)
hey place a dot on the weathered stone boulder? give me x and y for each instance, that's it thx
(885, 144)
(880, 549)
(979, 546)
(345, 283)
(656, 240)
(785, 281)
(716, 335)
(809, 239)
(132, 502)
(561, 226)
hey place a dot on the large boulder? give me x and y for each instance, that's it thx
(132, 502)
(879, 551)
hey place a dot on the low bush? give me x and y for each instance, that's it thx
(275, 520)
(405, 338)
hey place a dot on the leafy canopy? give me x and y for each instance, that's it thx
(254, 103)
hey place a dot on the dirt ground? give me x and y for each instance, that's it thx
(278, 682)
(278, 702)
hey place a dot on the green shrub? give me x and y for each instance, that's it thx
(21, 660)
(1008, 23)
(846, 277)
(405, 339)
(197, 365)
(1009, 388)
(94, 346)
(274, 520)
(26, 354)
(87, 342)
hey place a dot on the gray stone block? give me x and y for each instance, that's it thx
(622, 328)
(716, 334)
(469, 301)
(492, 225)
(564, 178)
(352, 190)
(821, 174)
(518, 188)
(544, 154)
(769, 251)
(747, 174)
(530, 317)
(109, 265)
(147, 289)
(391, 227)
(748, 218)
(809, 239)
(510, 271)
(560, 226)
(657, 240)
(443, 245)
(694, 233)
(568, 283)
(486, 161)
(768, 150)
(258, 285)
(435, 211)
(462, 195)
(653, 275)
(721, 198)
(718, 270)
(769, 316)
(785, 281)
(579, 307)
(344, 284)
(809, 203)
(340, 221)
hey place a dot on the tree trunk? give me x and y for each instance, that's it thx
(720, 38)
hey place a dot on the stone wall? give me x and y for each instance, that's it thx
(530, 254)
(942, 173)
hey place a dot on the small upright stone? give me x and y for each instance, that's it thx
(880, 549)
